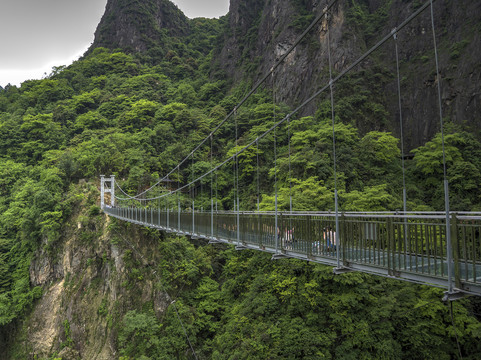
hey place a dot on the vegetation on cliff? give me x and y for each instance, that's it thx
(130, 115)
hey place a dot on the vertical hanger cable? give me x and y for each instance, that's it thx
(337, 237)
(449, 250)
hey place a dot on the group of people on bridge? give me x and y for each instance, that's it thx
(327, 241)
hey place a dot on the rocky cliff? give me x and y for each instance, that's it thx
(260, 32)
(88, 286)
(92, 278)
(136, 25)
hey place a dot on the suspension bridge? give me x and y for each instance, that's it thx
(441, 249)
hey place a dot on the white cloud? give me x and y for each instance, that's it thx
(37, 35)
(40, 34)
(16, 76)
(203, 8)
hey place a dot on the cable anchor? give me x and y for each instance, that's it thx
(394, 33)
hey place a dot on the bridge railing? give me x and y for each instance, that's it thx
(395, 244)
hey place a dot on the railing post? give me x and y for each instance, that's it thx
(258, 233)
(391, 247)
(282, 232)
(211, 217)
(310, 235)
(449, 248)
(455, 244)
(407, 240)
(238, 221)
(343, 238)
(193, 217)
(102, 191)
(112, 190)
(340, 233)
(276, 227)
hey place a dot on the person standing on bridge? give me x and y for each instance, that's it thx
(330, 238)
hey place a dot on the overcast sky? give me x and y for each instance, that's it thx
(39, 34)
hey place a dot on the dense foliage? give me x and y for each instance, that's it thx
(240, 305)
(136, 116)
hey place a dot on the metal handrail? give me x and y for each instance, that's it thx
(408, 246)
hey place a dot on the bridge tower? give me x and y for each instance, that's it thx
(107, 189)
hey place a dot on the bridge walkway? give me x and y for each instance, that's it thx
(409, 247)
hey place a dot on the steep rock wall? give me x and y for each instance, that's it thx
(88, 286)
(260, 32)
(136, 25)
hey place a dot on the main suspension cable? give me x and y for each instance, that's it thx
(314, 96)
(249, 94)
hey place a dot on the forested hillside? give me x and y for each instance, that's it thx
(75, 284)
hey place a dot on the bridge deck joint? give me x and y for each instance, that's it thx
(342, 270)
(279, 256)
(453, 295)
(215, 241)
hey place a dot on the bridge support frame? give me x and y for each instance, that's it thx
(279, 256)
(341, 270)
(215, 241)
(453, 295)
(107, 190)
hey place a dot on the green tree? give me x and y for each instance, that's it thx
(140, 115)
(41, 134)
(461, 154)
(139, 335)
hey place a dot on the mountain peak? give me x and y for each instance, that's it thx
(136, 25)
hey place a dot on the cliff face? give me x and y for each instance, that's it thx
(136, 25)
(457, 26)
(260, 32)
(87, 288)
(91, 278)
